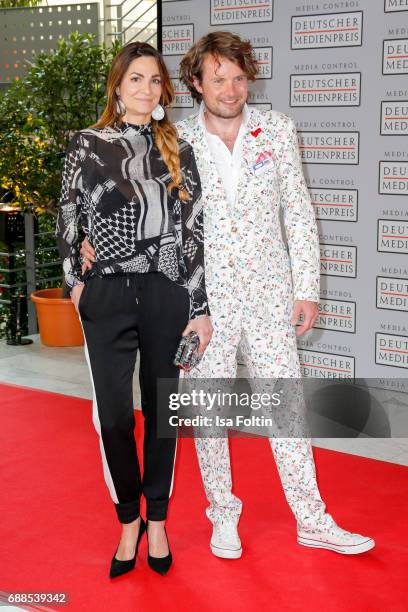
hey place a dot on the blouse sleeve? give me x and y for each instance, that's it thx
(192, 222)
(69, 213)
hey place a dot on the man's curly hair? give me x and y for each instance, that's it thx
(218, 44)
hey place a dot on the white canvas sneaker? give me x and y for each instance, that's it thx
(337, 539)
(225, 542)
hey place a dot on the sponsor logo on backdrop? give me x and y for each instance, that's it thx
(395, 213)
(395, 6)
(177, 39)
(394, 118)
(264, 57)
(334, 67)
(393, 178)
(260, 41)
(227, 12)
(176, 19)
(392, 293)
(395, 56)
(318, 364)
(326, 89)
(337, 315)
(393, 383)
(334, 204)
(392, 236)
(329, 147)
(261, 105)
(336, 293)
(259, 99)
(396, 93)
(183, 98)
(338, 260)
(328, 30)
(391, 350)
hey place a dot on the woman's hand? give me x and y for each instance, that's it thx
(88, 254)
(202, 326)
(76, 294)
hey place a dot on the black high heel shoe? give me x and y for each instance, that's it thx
(118, 567)
(161, 565)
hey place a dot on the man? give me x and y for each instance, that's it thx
(250, 169)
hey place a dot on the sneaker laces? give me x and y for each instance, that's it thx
(227, 529)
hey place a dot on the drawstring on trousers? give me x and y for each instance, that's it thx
(128, 285)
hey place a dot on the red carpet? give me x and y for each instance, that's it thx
(59, 529)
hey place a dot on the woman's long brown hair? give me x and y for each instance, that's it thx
(164, 131)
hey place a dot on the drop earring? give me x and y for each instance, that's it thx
(158, 113)
(120, 107)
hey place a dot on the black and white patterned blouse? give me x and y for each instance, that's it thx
(114, 184)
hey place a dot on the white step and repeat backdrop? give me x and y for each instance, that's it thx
(340, 69)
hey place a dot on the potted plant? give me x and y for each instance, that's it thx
(62, 92)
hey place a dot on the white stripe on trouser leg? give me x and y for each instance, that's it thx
(181, 376)
(97, 425)
(175, 450)
(172, 475)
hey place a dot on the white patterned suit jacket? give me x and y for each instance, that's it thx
(246, 238)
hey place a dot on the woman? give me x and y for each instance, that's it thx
(135, 189)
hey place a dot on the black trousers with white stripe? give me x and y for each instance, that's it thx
(123, 314)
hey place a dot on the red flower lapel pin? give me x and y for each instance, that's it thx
(256, 132)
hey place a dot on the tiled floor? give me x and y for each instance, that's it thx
(61, 370)
(64, 370)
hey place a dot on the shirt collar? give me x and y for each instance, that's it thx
(201, 120)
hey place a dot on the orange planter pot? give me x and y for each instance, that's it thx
(57, 319)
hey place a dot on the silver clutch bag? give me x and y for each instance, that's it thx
(187, 355)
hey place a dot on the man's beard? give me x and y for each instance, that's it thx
(227, 113)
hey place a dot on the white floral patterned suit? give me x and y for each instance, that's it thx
(252, 283)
